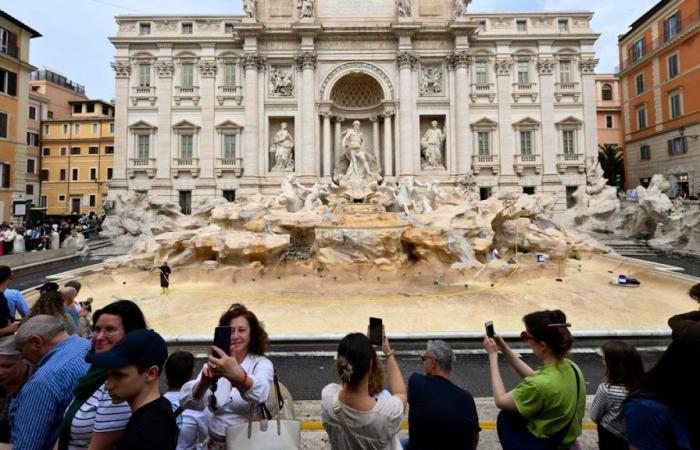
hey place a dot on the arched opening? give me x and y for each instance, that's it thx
(357, 93)
(607, 92)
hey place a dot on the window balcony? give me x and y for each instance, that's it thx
(234, 165)
(570, 160)
(145, 165)
(568, 89)
(488, 162)
(180, 165)
(523, 162)
(186, 93)
(11, 50)
(234, 93)
(147, 93)
(524, 90)
(482, 90)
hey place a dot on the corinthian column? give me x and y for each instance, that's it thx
(407, 62)
(504, 65)
(207, 87)
(327, 157)
(307, 61)
(252, 63)
(388, 147)
(588, 94)
(122, 72)
(460, 61)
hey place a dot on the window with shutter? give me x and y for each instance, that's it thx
(6, 175)
(4, 118)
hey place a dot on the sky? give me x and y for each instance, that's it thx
(75, 32)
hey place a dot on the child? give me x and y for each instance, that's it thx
(194, 425)
(623, 370)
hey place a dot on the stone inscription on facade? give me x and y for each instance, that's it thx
(430, 8)
(280, 8)
(350, 8)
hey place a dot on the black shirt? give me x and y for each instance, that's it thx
(164, 275)
(441, 414)
(5, 318)
(151, 427)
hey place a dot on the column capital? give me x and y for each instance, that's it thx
(460, 59)
(545, 66)
(306, 60)
(164, 68)
(325, 114)
(406, 59)
(504, 65)
(207, 68)
(339, 119)
(588, 65)
(122, 69)
(388, 113)
(254, 61)
(373, 118)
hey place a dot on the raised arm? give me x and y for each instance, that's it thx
(518, 364)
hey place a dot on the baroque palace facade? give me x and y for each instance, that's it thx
(231, 105)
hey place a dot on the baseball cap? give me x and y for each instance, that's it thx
(138, 347)
(46, 287)
(8, 346)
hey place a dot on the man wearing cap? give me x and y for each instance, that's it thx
(7, 325)
(15, 299)
(14, 372)
(133, 367)
(36, 413)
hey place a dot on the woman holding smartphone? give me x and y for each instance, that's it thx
(233, 378)
(546, 409)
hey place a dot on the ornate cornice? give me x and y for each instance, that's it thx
(164, 69)
(407, 59)
(504, 66)
(122, 69)
(207, 68)
(588, 65)
(306, 60)
(459, 59)
(545, 66)
(253, 61)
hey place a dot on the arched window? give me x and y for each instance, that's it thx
(607, 92)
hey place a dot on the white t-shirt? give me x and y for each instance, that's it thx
(194, 425)
(97, 415)
(376, 429)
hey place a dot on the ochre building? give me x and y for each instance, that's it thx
(77, 158)
(660, 75)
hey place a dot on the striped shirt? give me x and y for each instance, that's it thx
(97, 415)
(606, 409)
(36, 413)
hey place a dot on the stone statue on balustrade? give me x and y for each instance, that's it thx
(431, 147)
(306, 9)
(250, 8)
(403, 8)
(281, 82)
(282, 149)
(357, 172)
(461, 7)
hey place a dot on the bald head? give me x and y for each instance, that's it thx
(69, 293)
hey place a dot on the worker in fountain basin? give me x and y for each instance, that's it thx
(165, 272)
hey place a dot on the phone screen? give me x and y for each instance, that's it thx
(375, 331)
(489, 329)
(222, 338)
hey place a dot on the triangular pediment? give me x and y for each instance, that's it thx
(570, 121)
(527, 122)
(229, 125)
(185, 125)
(141, 125)
(484, 122)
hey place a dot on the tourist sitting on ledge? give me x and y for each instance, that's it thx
(441, 414)
(546, 409)
(352, 417)
(662, 414)
(687, 322)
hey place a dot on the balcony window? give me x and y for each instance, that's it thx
(482, 74)
(563, 25)
(569, 142)
(8, 82)
(641, 117)
(187, 75)
(673, 66)
(144, 75)
(143, 142)
(187, 28)
(638, 50)
(484, 142)
(607, 92)
(229, 74)
(675, 104)
(526, 147)
(639, 81)
(144, 29)
(521, 26)
(565, 71)
(4, 40)
(672, 26)
(645, 153)
(229, 146)
(523, 72)
(677, 146)
(186, 141)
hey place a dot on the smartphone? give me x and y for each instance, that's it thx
(375, 331)
(489, 329)
(222, 338)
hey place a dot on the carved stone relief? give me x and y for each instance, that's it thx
(281, 81)
(127, 26)
(166, 25)
(431, 80)
(504, 66)
(122, 69)
(164, 69)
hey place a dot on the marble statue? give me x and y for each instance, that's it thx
(431, 145)
(306, 8)
(431, 80)
(282, 149)
(315, 195)
(404, 8)
(250, 8)
(357, 173)
(289, 198)
(406, 196)
(281, 82)
(356, 152)
(461, 7)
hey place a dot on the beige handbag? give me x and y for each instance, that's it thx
(267, 434)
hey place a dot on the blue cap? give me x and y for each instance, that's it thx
(142, 346)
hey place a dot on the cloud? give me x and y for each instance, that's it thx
(75, 32)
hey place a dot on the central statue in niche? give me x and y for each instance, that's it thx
(357, 172)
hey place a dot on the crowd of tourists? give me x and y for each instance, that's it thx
(71, 378)
(45, 235)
